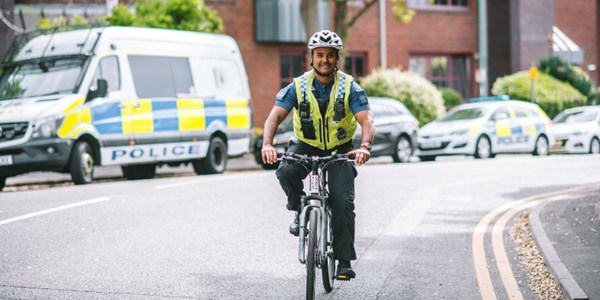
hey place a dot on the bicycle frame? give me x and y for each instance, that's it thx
(317, 199)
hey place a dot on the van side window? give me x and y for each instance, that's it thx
(220, 78)
(159, 76)
(108, 68)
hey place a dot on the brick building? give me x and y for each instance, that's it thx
(442, 42)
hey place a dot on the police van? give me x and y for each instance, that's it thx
(486, 127)
(124, 96)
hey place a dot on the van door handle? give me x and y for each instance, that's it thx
(123, 105)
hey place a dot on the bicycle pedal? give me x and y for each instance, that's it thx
(343, 277)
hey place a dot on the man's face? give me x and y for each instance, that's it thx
(324, 60)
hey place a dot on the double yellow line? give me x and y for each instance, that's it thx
(502, 215)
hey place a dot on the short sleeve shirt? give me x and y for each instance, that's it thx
(287, 99)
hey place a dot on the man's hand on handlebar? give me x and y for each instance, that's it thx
(361, 155)
(269, 154)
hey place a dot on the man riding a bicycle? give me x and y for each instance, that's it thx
(327, 106)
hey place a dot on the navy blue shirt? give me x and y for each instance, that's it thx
(287, 99)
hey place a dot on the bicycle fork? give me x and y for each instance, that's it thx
(312, 199)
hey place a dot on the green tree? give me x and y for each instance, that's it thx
(191, 15)
(342, 22)
(121, 16)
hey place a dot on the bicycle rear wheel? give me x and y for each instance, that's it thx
(328, 263)
(311, 259)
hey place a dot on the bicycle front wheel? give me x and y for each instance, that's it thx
(328, 263)
(311, 259)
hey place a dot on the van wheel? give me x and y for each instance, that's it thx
(541, 146)
(215, 160)
(403, 150)
(81, 163)
(483, 148)
(2, 183)
(136, 172)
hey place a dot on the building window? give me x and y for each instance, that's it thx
(438, 4)
(281, 20)
(291, 66)
(355, 64)
(453, 71)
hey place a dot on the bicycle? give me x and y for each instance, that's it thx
(318, 253)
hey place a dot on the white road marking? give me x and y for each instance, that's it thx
(55, 209)
(205, 179)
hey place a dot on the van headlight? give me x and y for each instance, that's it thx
(47, 127)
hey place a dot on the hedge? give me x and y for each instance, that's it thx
(551, 94)
(419, 95)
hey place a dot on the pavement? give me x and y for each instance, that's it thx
(238, 164)
(567, 232)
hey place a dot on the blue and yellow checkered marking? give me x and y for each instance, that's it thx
(163, 115)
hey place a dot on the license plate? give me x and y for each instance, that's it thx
(430, 145)
(6, 160)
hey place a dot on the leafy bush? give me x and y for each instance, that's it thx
(418, 94)
(191, 15)
(563, 71)
(552, 95)
(594, 97)
(451, 97)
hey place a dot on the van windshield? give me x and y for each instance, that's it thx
(41, 78)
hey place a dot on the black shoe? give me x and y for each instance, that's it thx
(295, 226)
(344, 271)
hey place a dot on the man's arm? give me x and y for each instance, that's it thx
(276, 116)
(365, 119)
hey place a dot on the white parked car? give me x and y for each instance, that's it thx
(577, 130)
(484, 129)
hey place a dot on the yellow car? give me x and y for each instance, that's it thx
(485, 128)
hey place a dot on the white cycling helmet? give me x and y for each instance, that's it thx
(325, 39)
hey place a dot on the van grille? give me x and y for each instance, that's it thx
(12, 131)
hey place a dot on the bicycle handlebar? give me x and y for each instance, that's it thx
(310, 160)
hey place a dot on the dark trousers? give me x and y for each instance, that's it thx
(341, 194)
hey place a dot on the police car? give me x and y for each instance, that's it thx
(577, 130)
(486, 127)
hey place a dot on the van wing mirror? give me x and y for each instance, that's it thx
(100, 91)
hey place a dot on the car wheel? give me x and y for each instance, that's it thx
(595, 146)
(427, 158)
(137, 172)
(483, 148)
(541, 146)
(403, 150)
(2, 183)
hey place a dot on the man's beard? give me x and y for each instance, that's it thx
(329, 74)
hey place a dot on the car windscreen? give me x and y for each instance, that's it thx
(576, 116)
(41, 78)
(464, 114)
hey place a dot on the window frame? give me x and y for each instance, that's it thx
(284, 81)
(440, 6)
(449, 78)
(354, 55)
